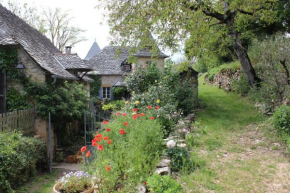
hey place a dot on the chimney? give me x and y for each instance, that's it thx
(68, 49)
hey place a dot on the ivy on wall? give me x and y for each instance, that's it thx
(95, 85)
(8, 62)
(16, 100)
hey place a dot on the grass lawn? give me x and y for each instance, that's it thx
(238, 146)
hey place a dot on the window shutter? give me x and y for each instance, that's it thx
(112, 91)
(101, 93)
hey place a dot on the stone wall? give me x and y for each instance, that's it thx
(142, 62)
(224, 78)
(109, 81)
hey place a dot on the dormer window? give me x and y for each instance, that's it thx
(126, 67)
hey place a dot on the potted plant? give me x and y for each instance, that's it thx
(74, 182)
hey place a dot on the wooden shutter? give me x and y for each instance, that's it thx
(2, 92)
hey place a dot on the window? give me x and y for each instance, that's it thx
(127, 67)
(106, 92)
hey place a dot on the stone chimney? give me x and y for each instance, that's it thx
(68, 49)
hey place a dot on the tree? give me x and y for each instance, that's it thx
(55, 24)
(174, 20)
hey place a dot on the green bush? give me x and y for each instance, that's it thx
(19, 156)
(16, 100)
(113, 105)
(180, 158)
(126, 157)
(281, 119)
(163, 184)
(241, 86)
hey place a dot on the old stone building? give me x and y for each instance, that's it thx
(38, 58)
(112, 65)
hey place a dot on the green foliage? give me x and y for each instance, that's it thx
(66, 102)
(8, 62)
(19, 156)
(163, 184)
(241, 86)
(132, 156)
(180, 158)
(119, 92)
(16, 100)
(281, 119)
(143, 78)
(95, 86)
(113, 105)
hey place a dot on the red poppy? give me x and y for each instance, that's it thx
(149, 107)
(145, 183)
(108, 129)
(94, 144)
(105, 122)
(118, 113)
(134, 117)
(122, 132)
(109, 141)
(106, 138)
(152, 118)
(99, 137)
(126, 123)
(135, 110)
(84, 149)
(157, 107)
(108, 168)
(120, 188)
(100, 147)
(142, 114)
(124, 114)
(94, 140)
(88, 154)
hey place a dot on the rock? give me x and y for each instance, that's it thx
(163, 171)
(141, 188)
(181, 145)
(164, 163)
(165, 157)
(181, 141)
(183, 130)
(190, 117)
(277, 144)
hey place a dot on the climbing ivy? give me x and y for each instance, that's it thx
(16, 100)
(8, 62)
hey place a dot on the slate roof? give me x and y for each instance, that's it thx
(15, 31)
(72, 62)
(95, 49)
(146, 53)
(109, 60)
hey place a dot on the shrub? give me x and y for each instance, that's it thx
(281, 119)
(163, 184)
(113, 105)
(180, 158)
(241, 86)
(127, 150)
(19, 156)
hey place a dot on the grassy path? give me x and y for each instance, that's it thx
(238, 146)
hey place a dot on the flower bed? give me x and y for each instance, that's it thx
(127, 150)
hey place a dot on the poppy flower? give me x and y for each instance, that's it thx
(105, 122)
(94, 144)
(101, 147)
(149, 107)
(126, 123)
(99, 137)
(109, 141)
(122, 132)
(135, 117)
(94, 140)
(135, 110)
(88, 154)
(157, 107)
(108, 168)
(145, 183)
(152, 118)
(84, 149)
(120, 188)
(142, 114)
(124, 114)
(108, 129)
(118, 113)
(106, 138)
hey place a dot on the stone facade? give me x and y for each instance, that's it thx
(143, 61)
(109, 81)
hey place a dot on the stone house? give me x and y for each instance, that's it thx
(40, 60)
(112, 65)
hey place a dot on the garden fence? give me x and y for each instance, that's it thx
(18, 120)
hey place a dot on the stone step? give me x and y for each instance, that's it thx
(163, 171)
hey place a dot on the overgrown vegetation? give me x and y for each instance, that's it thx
(19, 158)
(8, 62)
(163, 184)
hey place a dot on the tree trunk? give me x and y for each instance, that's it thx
(241, 52)
(283, 62)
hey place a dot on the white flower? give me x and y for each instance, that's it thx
(170, 144)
